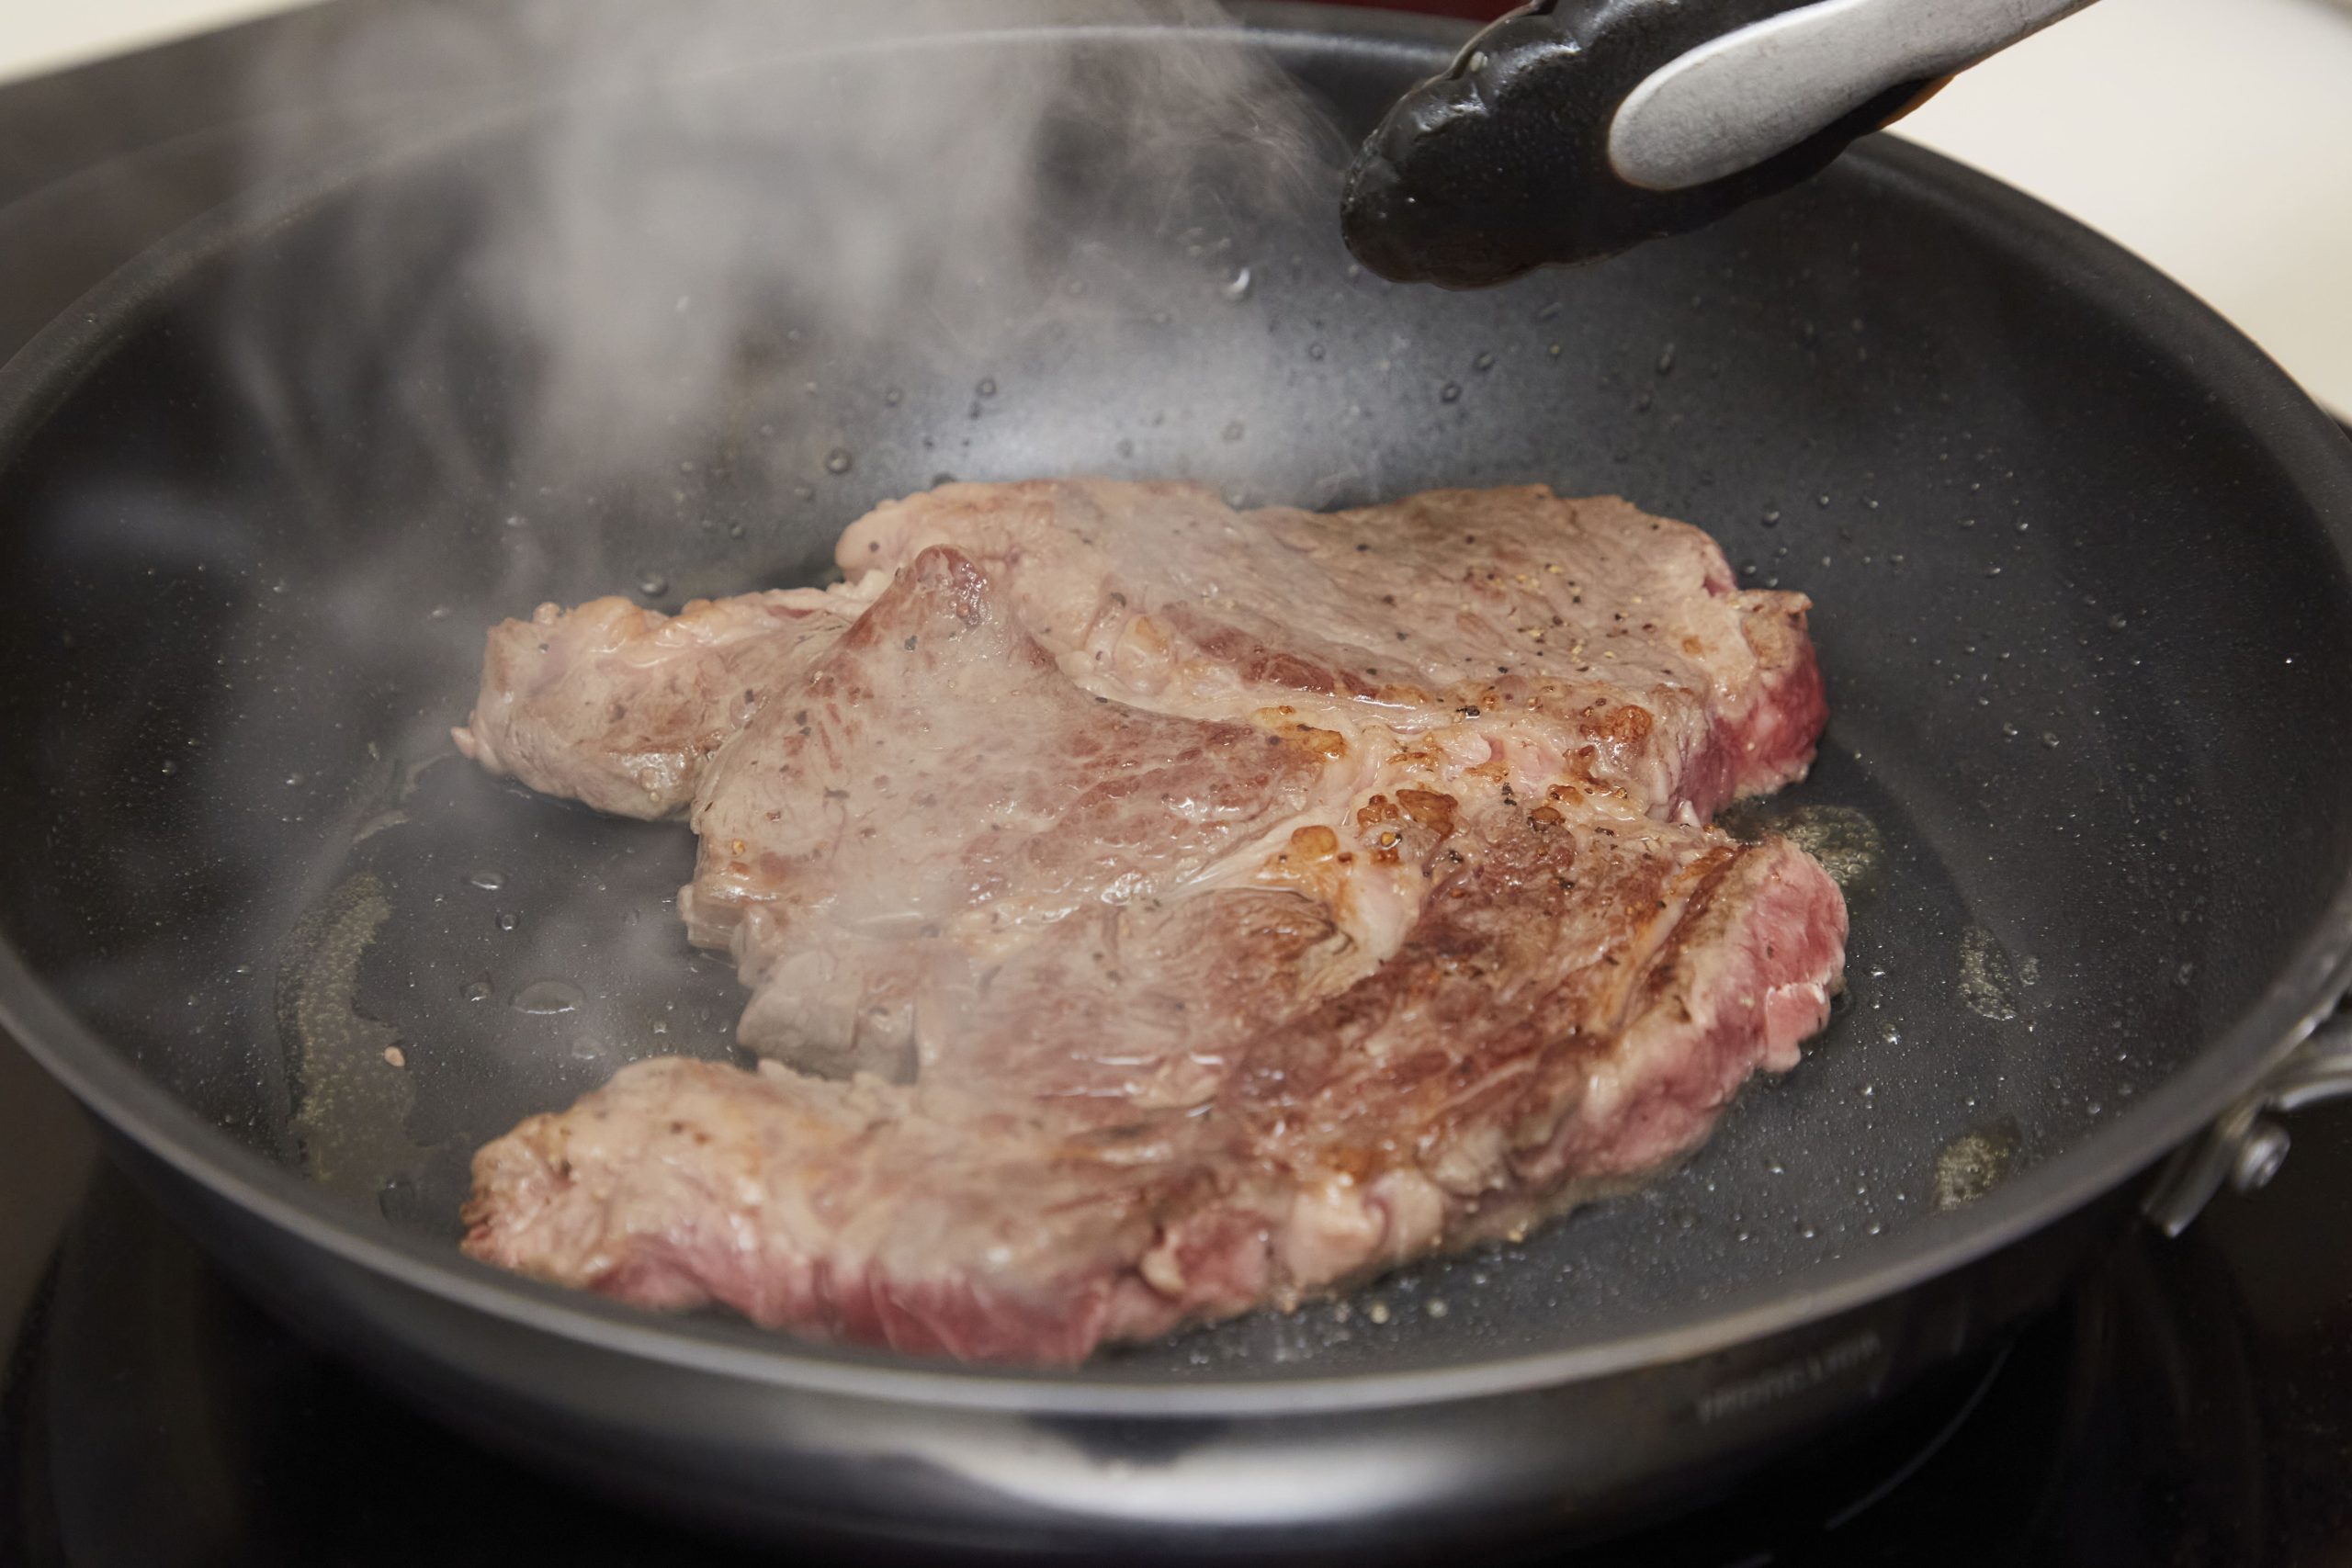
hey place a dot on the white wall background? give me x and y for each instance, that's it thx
(46, 35)
(2213, 137)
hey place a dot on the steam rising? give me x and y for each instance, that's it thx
(653, 300)
(712, 204)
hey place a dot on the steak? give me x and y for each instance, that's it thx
(935, 794)
(1594, 640)
(621, 707)
(1151, 912)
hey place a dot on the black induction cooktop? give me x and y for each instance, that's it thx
(2189, 1404)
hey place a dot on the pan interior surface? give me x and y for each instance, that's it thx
(2088, 644)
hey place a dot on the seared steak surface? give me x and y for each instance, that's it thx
(1151, 910)
(1596, 641)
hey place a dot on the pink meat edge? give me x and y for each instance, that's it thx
(1753, 997)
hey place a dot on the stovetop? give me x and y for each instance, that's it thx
(2189, 1404)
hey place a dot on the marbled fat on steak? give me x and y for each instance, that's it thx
(1153, 911)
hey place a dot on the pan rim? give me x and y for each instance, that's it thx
(2294, 433)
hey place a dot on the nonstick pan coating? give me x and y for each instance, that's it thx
(2078, 556)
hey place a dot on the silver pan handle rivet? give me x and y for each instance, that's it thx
(2259, 1156)
(2245, 1147)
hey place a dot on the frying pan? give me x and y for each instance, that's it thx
(2083, 561)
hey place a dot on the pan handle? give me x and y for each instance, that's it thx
(2245, 1147)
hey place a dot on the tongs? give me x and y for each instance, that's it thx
(1572, 129)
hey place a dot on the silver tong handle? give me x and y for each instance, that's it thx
(1573, 130)
(1739, 99)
